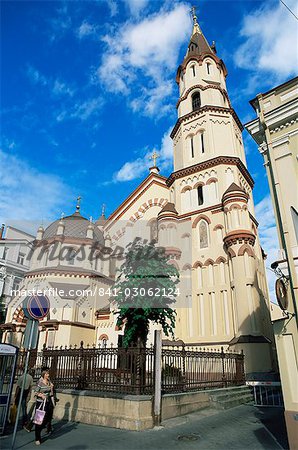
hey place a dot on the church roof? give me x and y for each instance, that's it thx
(198, 43)
(234, 188)
(198, 48)
(169, 207)
(75, 226)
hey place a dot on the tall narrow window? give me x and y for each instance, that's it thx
(202, 143)
(208, 67)
(203, 233)
(193, 71)
(196, 101)
(200, 195)
(192, 147)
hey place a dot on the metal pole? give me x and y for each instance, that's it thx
(157, 377)
(23, 386)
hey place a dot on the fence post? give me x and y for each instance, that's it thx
(183, 381)
(80, 363)
(224, 379)
(138, 367)
(157, 377)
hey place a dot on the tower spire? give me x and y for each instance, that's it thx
(196, 27)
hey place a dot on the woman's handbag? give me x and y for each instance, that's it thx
(12, 414)
(39, 414)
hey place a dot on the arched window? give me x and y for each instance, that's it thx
(209, 68)
(153, 230)
(200, 195)
(196, 101)
(203, 233)
(193, 69)
(192, 152)
(202, 143)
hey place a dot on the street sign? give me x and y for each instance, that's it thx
(36, 307)
(31, 331)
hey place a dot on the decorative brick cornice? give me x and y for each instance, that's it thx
(203, 88)
(239, 237)
(68, 272)
(206, 108)
(228, 160)
(53, 324)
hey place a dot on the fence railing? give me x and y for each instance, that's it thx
(267, 393)
(131, 370)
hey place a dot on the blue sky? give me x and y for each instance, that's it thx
(88, 91)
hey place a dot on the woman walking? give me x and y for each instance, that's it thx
(44, 392)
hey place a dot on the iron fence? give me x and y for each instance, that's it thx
(131, 370)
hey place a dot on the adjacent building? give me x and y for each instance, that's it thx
(275, 130)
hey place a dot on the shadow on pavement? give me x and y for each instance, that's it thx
(273, 419)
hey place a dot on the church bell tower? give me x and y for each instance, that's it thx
(211, 189)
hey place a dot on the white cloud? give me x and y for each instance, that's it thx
(135, 6)
(268, 237)
(36, 77)
(86, 29)
(270, 44)
(26, 193)
(56, 86)
(140, 59)
(130, 170)
(140, 167)
(113, 7)
(81, 110)
(61, 88)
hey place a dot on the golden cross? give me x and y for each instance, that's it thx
(154, 158)
(194, 17)
(79, 198)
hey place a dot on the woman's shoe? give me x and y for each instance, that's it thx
(37, 442)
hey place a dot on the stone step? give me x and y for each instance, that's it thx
(232, 402)
(231, 390)
(230, 395)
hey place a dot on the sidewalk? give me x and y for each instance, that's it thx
(241, 428)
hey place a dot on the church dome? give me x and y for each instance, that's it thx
(75, 226)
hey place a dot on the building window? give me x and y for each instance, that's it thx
(21, 258)
(193, 68)
(5, 251)
(196, 101)
(153, 230)
(203, 233)
(72, 257)
(192, 147)
(200, 195)
(202, 143)
(209, 68)
(16, 284)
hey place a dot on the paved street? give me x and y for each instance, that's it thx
(244, 427)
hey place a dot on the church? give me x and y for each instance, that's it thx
(202, 214)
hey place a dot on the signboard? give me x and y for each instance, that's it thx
(36, 307)
(8, 349)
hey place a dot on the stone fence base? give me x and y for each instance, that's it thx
(129, 412)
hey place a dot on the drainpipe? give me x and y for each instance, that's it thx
(275, 197)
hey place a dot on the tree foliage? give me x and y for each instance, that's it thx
(146, 288)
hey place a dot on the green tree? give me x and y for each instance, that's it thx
(146, 287)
